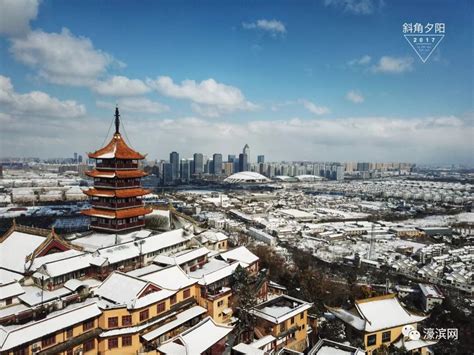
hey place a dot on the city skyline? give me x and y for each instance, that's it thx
(264, 76)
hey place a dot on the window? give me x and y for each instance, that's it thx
(282, 327)
(126, 320)
(160, 307)
(186, 293)
(371, 339)
(48, 340)
(302, 316)
(89, 345)
(292, 320)
(144, 315)
(126, 340)
(173, 299)
(22, 351)
(113, 343)
(69, 332)
(8, 301)
(386, 336)
(88, 325)
(113, 322)
(70, 352)
(220, 303)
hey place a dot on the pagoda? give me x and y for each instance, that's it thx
(116, 196)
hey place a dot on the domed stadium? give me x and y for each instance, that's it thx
(246, 177)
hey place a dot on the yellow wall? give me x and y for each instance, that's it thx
(394, 336)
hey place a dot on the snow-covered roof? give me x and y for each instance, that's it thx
(10, 290)
(172, 278)
(410, 345)
(213, 236)
(181, 318)
(329, 347)
(123, 289)
(248, 349)
(23, 244)
(377, 313)
(181, 257)
(246, 177)
(430, 291)
(197, 339)
(214, 271)
(280, 308)
(17, 335)
(240, 254)
(7, 276)
(34, 295)
(39, 261)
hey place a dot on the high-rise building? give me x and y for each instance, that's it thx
(79, 159)
(217, 159)
(185, 170)
(198, 163)
(246, 151)
(231, 158)
(261, 159)
(75, 157)
(116, 195)
(243, 162)
(363, 166)
(167, 174)
(174, 161)
(228, 168)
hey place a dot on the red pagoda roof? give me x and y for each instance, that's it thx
(116, 149)
(110, 214)
(116, 173)
(117, 193)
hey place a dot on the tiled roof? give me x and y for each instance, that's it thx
(117, 193)
(127, 213)
(117, 148)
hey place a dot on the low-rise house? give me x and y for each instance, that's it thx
(379, 321)
(206, 337)
(329, 347)
(431, 296)
(286, 319)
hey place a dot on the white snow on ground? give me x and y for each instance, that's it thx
(442, 220)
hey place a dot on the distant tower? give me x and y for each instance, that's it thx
(246, 151)
(116, 195)
(198, 163)
(217, 164)
(261, 159)
(174, 160)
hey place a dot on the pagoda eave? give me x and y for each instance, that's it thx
(117, 214)
(122, 174)
(124, 193)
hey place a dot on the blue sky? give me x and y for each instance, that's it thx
(314, 80)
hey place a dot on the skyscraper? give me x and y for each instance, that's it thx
(198, 163)
(167, 173)
(246, 151)
(185, 170)
(217, 159)
(231, 158)
(174, 161)
(261, 159)
(243, 162)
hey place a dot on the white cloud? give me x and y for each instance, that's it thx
(355, 97)
(37, 103)
(357, 7)
(338, 139)
(16, 16)
(314, 108)
(210, 98)
(120, 86)
(395, 65)
(273, 27)
(61, 58)
(135, 104)
(364, 60)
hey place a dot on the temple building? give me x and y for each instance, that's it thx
(116, 195)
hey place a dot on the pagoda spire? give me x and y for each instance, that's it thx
(117, 120)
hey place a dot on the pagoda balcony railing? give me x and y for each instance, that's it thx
(117, 165)
(113, 205)
(118, 227)
(117, 184)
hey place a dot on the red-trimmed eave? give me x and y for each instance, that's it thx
(121, 174)
(118, 149)
(126, 213)
(122, 193)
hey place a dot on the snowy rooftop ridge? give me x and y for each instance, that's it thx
(281, 308)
